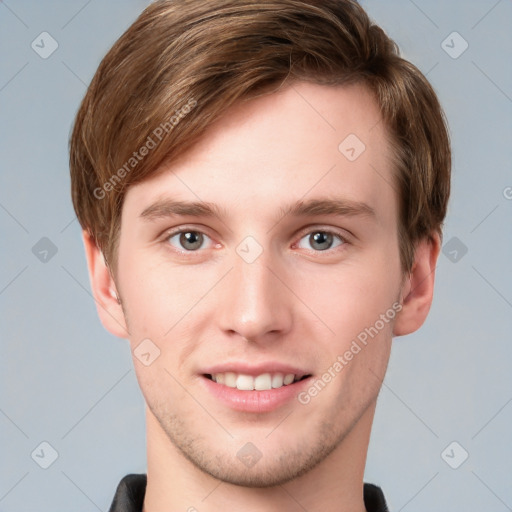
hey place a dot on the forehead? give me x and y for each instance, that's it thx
(303, 142)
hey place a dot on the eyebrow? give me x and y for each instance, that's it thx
(168, 207)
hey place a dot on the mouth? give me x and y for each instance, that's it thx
(259, 394)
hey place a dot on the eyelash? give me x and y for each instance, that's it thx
(303, 234)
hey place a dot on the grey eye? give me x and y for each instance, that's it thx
(321, 240)
(188, 240)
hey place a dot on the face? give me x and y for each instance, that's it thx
(291, 266)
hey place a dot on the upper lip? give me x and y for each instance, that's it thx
(254, 370)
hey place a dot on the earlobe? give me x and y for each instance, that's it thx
(418, 288)
(104, 289)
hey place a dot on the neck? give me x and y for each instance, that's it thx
(334, 485)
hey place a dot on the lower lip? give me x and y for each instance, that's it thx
(255, 401)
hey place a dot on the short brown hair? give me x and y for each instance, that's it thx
(204, 56)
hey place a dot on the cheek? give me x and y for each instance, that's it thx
(357, 304)
(159, 385)
(158, 295)
(350, 298)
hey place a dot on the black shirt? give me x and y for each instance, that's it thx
(130, 493)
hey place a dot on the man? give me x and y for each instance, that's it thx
(261, 187)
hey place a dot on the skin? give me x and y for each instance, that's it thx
(294, 304)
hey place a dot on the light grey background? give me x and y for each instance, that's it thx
(67, 382)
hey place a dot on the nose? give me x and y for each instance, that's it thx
(255, 303)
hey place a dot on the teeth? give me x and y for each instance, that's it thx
(263, 382)
(229, 379)
(277, 380)
(245, 382)
(288, 379)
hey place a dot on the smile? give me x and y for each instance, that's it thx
(265, 392)
(262, 382)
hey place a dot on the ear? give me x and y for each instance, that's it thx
(104, 290)
(418, 288)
